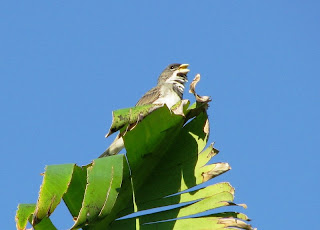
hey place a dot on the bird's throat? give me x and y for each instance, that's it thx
(170, 94)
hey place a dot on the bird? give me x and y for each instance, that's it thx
(169, 90)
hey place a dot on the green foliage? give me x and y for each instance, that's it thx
(166, 157)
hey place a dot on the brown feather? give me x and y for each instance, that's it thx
(151, 96)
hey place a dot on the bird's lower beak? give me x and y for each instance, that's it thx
(183, 68)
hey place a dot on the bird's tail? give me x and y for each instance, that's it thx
(116, 146)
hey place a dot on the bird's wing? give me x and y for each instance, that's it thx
(151, 96)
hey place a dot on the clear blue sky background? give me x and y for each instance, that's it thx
(65, 65)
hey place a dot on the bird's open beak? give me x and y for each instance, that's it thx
(183, 68)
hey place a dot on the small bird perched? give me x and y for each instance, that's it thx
(169, 91)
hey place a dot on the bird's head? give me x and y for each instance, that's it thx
(174, 74)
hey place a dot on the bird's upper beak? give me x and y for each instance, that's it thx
(183, 69)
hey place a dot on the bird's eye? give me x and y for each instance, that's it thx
(172, 67)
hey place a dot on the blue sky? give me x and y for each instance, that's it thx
(65, 65)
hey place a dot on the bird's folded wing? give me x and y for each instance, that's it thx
(151, 96)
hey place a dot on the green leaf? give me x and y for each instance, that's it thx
(104, 179)
(205, 223)
(166, 167)
(24, 212)
(179, 165)
(123, 117)
(110, 183)
(55, 183)
(45, 224)
(148, 141)
(74, 196)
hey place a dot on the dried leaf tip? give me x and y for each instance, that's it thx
(202, 99)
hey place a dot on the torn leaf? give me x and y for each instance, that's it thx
(231, 222)
(218, 169)
(123, 118)
(201, 99)
(181, 107)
